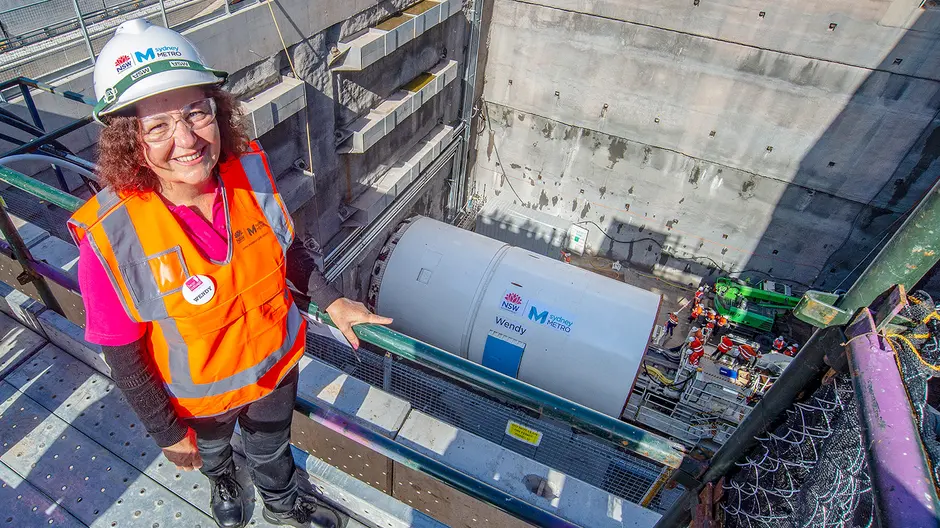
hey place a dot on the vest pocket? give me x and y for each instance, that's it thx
(156, 276)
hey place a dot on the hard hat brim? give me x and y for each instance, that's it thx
(162, 83)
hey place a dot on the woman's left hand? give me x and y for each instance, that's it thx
(347, 313)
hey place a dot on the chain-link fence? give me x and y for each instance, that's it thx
(812, 471)
(562, 447)
(47, 39)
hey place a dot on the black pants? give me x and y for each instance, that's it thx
(265, 425)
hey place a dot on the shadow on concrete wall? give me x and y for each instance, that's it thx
(850, 140)
(642, 251)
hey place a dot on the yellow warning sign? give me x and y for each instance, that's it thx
(523, 433)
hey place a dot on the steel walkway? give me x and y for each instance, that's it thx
(74, 454)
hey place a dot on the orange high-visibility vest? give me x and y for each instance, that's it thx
(697, 346)
(235, 348)
(746, 352)
(725, 345)
(673, 318)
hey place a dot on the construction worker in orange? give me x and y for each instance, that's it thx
(184, 258)
(696, 312)
(746, 354)
(792, 350)
(698, 350)
(700, 293)
(779, 344)
(721, 325)
(724, 347)
(672, 323)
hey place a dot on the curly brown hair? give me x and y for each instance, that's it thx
(121, 164)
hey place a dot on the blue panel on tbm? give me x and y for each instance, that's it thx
(503, 355)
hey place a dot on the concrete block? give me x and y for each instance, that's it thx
(391, 42)
(372, 407)
(405, 32)
(295, 188)
(405, 104)
(393, 111)
(433, 16)
(370, 50)
(69, 337)
(21, 307)
(574, 500)
(17, 343)
(454, 7)
(274, 105)
(372, 132)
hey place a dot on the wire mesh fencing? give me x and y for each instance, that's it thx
(812, 470)
(562, 447)
(809, 472)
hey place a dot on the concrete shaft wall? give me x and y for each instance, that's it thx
(789, 138)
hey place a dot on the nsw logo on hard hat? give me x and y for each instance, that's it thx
(122, 63)
(512, 302)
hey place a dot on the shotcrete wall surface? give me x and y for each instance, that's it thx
(788, 139)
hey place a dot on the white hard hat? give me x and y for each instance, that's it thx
(143, 60)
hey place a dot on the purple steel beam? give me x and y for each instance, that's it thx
(901, 479)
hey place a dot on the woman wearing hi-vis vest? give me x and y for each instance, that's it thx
(184, 259)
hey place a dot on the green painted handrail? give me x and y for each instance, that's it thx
(631, 438)
(40, 190)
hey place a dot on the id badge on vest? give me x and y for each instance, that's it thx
(198, 289)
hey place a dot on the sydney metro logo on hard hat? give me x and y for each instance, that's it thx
(122, 63)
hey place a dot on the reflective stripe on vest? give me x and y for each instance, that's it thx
(184, 387)
(147, 269)
(263, 190)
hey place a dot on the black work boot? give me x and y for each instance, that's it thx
(226, 503)
(308, 512)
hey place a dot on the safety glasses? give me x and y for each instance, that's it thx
(161, 127)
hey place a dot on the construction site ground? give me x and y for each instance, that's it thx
(74, 453)
(673, 293)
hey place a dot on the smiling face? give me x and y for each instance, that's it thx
(188, 156)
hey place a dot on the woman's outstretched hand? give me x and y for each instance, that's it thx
(347, 313)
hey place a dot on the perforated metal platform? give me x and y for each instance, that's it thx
(72, 452)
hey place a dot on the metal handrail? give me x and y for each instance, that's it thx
(630, 437)
(40, 190)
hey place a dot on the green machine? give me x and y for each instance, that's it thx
(753, 306)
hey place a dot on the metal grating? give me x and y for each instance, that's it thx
(562, 447)
(81, 476)
(90, 403)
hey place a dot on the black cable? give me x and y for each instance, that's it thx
(634, 241)
(702, 257)
(499, 161)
